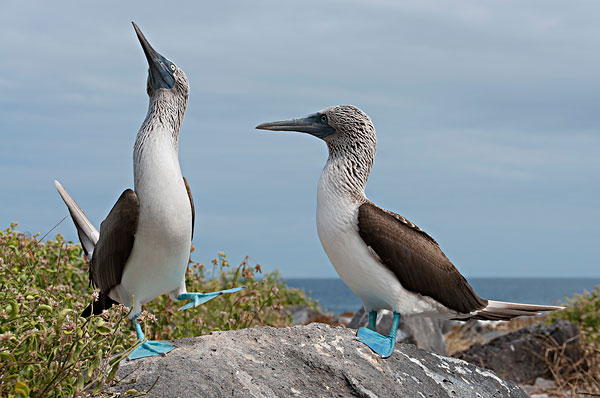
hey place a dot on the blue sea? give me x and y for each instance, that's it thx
(335, 297)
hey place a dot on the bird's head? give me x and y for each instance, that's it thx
(350, 137)
(341, 127)
(164, 76)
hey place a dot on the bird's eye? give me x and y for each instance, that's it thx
(173, 67)
(324, 118)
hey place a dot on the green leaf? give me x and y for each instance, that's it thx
(21, 389)
(103, 330)
(43, 307)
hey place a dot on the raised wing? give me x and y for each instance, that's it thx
(416, 259)
(117, 234)
(189, 191)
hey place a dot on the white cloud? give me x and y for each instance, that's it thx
(474, 103)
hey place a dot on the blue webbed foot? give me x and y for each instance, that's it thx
(147, 348)
(382, 345)
(150, 349)
(201, 298)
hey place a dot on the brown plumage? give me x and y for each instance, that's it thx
(110, 251)
(189, 192)
(416, 259)
(117, 235)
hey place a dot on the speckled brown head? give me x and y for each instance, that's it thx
(348, 132)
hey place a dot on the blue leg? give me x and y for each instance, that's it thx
(372, 320)
(201, 298)
(148, 348)
(382, 345)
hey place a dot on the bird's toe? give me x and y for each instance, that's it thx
(381, 345)
(151, 349)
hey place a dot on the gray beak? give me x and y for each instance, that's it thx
(315, 124)
(159, 68)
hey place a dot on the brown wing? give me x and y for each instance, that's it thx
(189, 191)
(416, 259)
(117, 234)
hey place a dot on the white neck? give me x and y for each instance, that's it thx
(340, 181)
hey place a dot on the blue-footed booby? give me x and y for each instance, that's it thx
(385, 259)
(143, 247)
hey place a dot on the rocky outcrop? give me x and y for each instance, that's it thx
(425, 333)
(524, 355)
(305, 361)
(303, 315)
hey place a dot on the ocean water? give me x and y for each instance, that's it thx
(334, 296)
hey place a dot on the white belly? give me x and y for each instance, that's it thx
(372, 282)
(158, 262)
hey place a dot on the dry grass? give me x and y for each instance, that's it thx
(579, 379)
(574, 379)
(570, 380)
(463, 335)
(521, 323)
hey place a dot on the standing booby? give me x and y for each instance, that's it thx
(143, 247)
(385, 259)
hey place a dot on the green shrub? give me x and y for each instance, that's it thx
(583, 376)
(583, 310)
(47, 349)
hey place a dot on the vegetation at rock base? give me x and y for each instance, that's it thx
(47, 349)
(581, 379)
(583, 310)
(584, 379)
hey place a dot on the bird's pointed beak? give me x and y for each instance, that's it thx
(160, 69)
(312, 124)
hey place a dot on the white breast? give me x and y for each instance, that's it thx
(160, 254)
(373, 283)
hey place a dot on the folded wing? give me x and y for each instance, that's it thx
(415, 259)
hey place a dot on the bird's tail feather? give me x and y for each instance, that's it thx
(88, 234)
(502, 311)
(104, 302)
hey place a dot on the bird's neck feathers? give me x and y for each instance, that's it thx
(165, 115)
(349, 165)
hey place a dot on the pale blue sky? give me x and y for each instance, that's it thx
(487, 115)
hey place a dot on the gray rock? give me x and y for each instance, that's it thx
(305, 361)
(360, 319)
(539, 385)
(519, 356)
(446, 325)
(344, 318)
(480, 331)
(302, 314)
(425, 333)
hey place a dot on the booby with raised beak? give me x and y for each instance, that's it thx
(143, 246)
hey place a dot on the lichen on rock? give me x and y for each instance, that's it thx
(305, 361)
